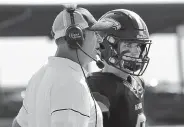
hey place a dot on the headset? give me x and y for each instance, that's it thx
(74, 34)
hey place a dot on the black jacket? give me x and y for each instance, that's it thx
(123, 98)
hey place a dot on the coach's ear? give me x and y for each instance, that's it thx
(15, 123)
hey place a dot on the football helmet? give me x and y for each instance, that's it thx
(126, 45)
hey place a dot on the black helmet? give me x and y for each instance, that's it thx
(128, 28)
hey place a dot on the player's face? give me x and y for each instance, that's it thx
(128, 55)
(132, 50)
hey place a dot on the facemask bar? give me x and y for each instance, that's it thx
(139, 67)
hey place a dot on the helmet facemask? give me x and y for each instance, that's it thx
(127, 55)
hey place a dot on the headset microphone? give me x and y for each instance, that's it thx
(99, 63)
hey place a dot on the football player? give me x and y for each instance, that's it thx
(118, 88)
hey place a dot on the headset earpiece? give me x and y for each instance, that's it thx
(74, 34)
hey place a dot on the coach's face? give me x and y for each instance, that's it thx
(91, 44)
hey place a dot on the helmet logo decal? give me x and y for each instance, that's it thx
(115, 24)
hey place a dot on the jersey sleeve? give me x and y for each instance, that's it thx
(70, 106)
